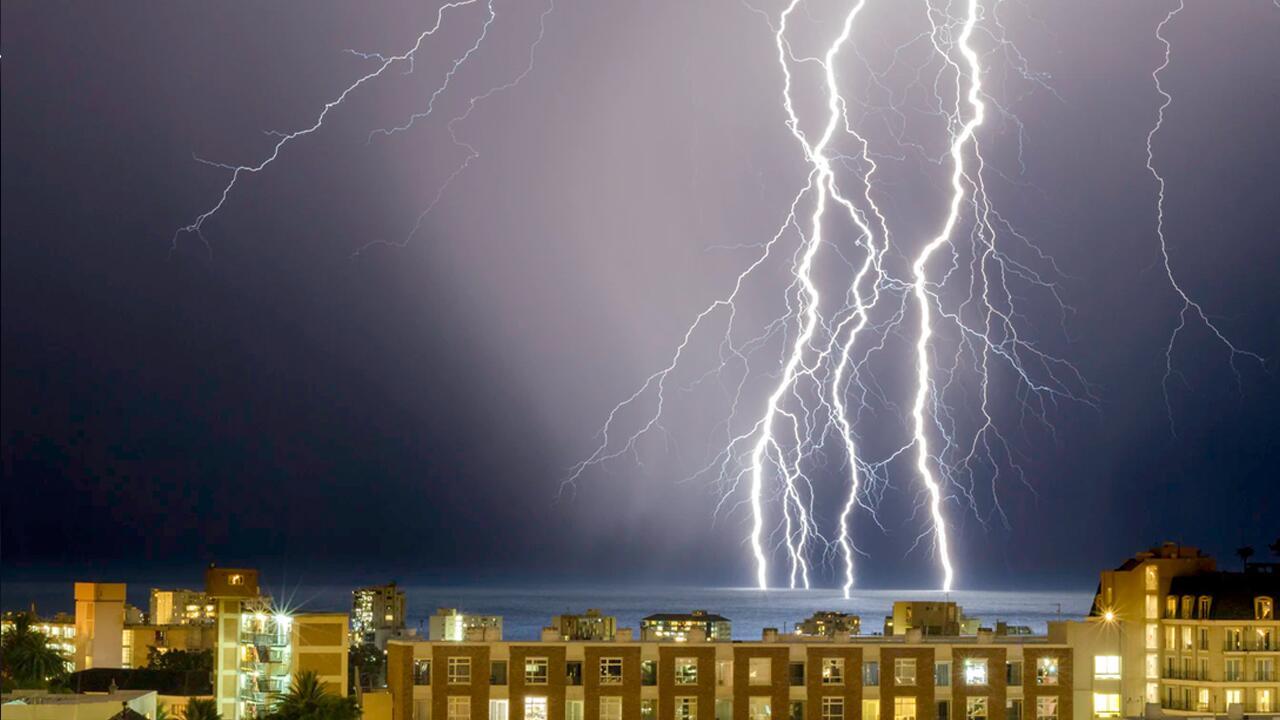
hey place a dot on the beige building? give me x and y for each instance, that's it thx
(139, 639)
(591, 625)
(451, 625)
(930, 617)
(99, 636)
(61, 706)
(181, 607)
(828, 623)
(1169, 630)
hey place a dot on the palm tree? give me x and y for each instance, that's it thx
(309, 699)
(203, 709)
(27, 659)
(1244, 553)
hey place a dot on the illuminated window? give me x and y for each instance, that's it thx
(975, 708)
(724, 672)
(1106, 705)
(758, 671)
(1106, 667)
(1171, 606)
(1234, 697)
(498, 710)
(535, 708)
(611, 671)
(1152, 666)
(870, 710)
(1153, 607)
(1202, 699)
(1152, 578)
(1187, 603)
(610, 707)
(1153, 636)
(758, 708)
(832, 708)
(459, 707)
(686, 708)
(1263, 697)
(536, 671)
(833, 671)
(459, 671)
(1262, 639)
(1264, 608)
(904, 672)
(1187, 643)
(1153, 692)
(975, 671)
(1046, 670)
(686, 671)
(1170, 638)
(1046, 707)
(904, 708)
(236, 579)
(648, 709)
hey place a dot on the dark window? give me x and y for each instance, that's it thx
(648, 672)
(1013, 674)
(1013, 710)
(573, 672)
(498, 672)
(944, 710)
(870, 674)
(797, 709)
(797, 674)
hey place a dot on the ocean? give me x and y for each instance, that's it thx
(526, 610)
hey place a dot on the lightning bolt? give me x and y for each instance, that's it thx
(1189, 306)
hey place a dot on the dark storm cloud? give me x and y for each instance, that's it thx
(414, 409)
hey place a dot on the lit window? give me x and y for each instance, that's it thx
(1046, 707)
(536, 671)
(758, 708)
(904, 708)
(833, 671)
(1187, 603)
(832, 708)
(870, 710)
(1170, 638)
(459, 707)
(459, 671)
(1153, 692)
(1046, 670)
(1264, 608)
(535, 708)
(610, 707)
(1202, 699)
(1153, 636)
(1106, 705)
(1106, 667)
(1153, 607)
(1263, 700)
(236, 579)
(904, 672)
(1153, 666)
(758, 671)
(1234, 640)
(648, 709)
(686, 708)
(1152, 578)
(1235, 697)
(498, 710)
(686, 671)
(1171, 606)
(975, 708)
(975, 671)
(611, 671)
(1187, 642)
(421, 672)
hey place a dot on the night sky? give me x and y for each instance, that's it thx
(273, 400)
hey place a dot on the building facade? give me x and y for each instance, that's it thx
(99, 636)
(377, 613)
(680, 627)
(452, 625)
(181, 607)
(591, 625)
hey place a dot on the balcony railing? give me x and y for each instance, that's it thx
(1176, 674)
(1257, 645)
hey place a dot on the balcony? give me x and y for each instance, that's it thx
(1265, 644)
(1176, 674)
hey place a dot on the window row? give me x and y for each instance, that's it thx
(459, 707)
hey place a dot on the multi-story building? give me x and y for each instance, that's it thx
(827, 623)
(909, 677)
(59, 631)
(452, 625)
(258, 648)
(377, 613)
(181, 607)
(591, 625)
(930, 617)
(686, 626)
(1168, 629)
(100, 614)
(139, 639)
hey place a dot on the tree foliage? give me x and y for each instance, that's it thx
(27, 660)
(310, 699)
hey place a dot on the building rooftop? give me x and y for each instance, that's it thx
(46, 698)
(696, 616)
(1233, 593)
(141, 680)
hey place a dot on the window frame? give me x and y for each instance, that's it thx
(899, 677)
(607, 666)
(453, 670)
(686, 671)
(832, 671)
(969, 667)
(531, 673)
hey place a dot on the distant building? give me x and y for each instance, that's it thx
(59, 632)
(945, 619)
(140, 639)
(180, 607)
(100, 612)
(591, 625)
(450, 625)
(682, 627)
(377, 613)
(828, 623)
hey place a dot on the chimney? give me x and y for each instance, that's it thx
(770, 635)
(985, 636)
(550, 634)
(623, 635)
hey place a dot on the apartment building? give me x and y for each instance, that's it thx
(827, 623)
(453, 625)
(591, 625)
(377, 613)
(59, 631)
(181, 607)
(839, 677)
(1169, 629)
(680, 627)
(100, 618)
